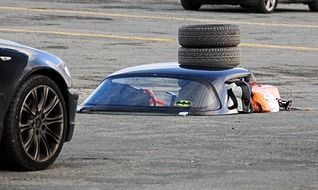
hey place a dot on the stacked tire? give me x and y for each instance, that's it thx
(209, 46)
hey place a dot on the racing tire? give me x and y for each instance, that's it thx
(192, 5)
(313, 6)
(35, 125)
(267, 6)
(206, 36)
(209, 57)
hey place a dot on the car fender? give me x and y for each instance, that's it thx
(17, 64)
(251, 3)
(12, 66)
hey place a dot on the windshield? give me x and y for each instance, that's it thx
(153, 92)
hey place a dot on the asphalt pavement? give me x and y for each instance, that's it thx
(247, 151)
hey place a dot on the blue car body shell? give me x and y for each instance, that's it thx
(216, 78)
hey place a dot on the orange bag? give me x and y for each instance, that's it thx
(269, 94)
(259, 103)
(265, 89)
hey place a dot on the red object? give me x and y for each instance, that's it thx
(265, 89)
(265, 98)
(154, 101)
(259, 103)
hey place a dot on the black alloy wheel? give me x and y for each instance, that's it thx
(267, 6)
(191, 5)
(35, 125)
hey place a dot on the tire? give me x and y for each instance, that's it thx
(210, 57)
(313, 6)
(35, 125)
(192, 5)
(206, 36)
(267, 6)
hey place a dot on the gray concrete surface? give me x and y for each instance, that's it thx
(254, 151)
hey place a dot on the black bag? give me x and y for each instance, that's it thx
(239, 92)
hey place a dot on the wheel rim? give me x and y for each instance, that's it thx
(269, 4)
(41, 123)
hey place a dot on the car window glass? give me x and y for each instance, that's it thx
(154, 92)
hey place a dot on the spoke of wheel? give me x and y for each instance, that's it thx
(54, 136)
(37, 147)
(28, 110)
(269, 4)
(35, 97)
(46, 146)
(26, 127)
(57, 119)
(28, 143)
(52, 105)
(45, 93)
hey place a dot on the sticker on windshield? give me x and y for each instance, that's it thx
(183, 103)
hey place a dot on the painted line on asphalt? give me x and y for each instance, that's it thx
(92, 35)
(147, 39)
(101, 14)
(271, 46)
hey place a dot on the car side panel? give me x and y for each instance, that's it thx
(232, 2)
(249, 2)
(12, 65)
(294, 1)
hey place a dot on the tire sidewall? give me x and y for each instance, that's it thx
(13, 119)
(190, 4)
(227, 57)
(313, 6)
(209, 36)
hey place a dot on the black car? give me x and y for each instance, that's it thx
(37, 107)
(264, 6)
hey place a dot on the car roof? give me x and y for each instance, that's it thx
(173, 69)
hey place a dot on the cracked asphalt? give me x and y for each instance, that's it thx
(248, 151)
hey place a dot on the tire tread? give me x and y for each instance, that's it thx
(205, 36)
(210, 57)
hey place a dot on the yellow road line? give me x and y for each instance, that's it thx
(148, 39)
(270, 46)
(101, 14)
(93, 35)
